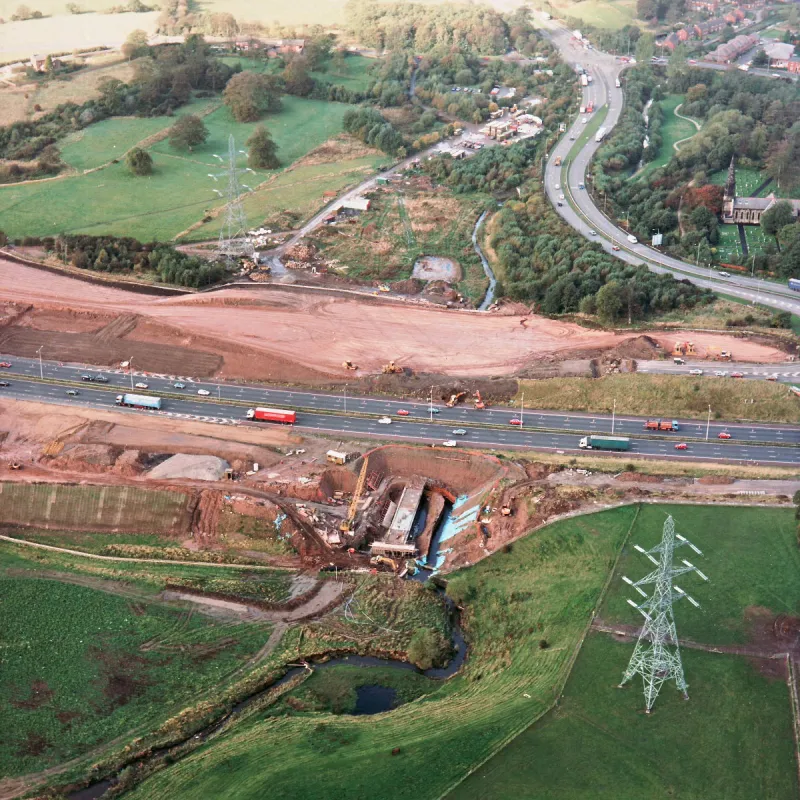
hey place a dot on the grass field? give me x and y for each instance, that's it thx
(105, 507)
(179, 193)
(666, 395)
(673, 129)
(734, 737)
(301, 12)
(543, 589)
(82, 666)
(747, 180)
(730, 245)
(612, 14)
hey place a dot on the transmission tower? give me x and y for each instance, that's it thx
(233, 241)
(657, 657)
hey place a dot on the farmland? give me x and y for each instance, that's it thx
(179, 194)
(612, 14)
(733, 738)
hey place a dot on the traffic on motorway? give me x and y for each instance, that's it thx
(496, 426)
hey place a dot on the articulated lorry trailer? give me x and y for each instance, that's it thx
(139, 401)
(272, 415)
(605, 443)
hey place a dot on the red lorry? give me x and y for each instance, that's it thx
(272, 415)
(662, 425)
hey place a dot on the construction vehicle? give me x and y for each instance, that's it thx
(391, 369)
(347, 523)
(717, 354)
(455, 399)
(506, 511)
(384, 287)
(349, 365)
(478, 401)
(662, 425)
(684, 349)
(384, 561)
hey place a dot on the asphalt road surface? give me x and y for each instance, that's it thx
(585, 216)
(332, 413)
(782, 373)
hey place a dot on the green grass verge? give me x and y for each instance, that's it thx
(673, 129)
(545, 587)
(82, 666)
(666, 395)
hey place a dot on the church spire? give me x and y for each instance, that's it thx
(730, 184)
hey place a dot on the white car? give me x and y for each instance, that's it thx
(385, 421)
(203, 392)
(450, 443)
(592, 233)
(142, 385)
(459, 432)
(585, 120)
(557, 186)
(561, 197)
(695, 372)
(723, 274)
(720, 373)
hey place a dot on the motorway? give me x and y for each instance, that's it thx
(782, 373)
(581, 213)
(353, 416)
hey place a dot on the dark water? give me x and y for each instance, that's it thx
(373, 699)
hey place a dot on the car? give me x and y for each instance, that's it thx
(203, 392)
(4, 383)
(179, 385)
(737, 374)
(559, 204)
(459, 432)
(632, 239)
(449, 443)
(402, 413)
(775, 75)
(772, 377)
(5, 364)
(581, 186)
(723, 274)
(720, 373)
(585, 120)
(682, 446)
(86, 378)
(72, 392)
(571, 137)
(557, 186)
(692, 61)
(435, 410)
(723, 435)
(615, 247)
(695, 372)
(101, 379)
(592, 232)
(515, 421)
(385, 421)
(142, 385)
(561, 197)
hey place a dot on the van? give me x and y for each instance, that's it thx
(632, 239)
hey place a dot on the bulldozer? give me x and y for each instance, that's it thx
(391, 369)
(349, 365)
(478, 401)
(455, 399)
(383, 561)
(684, 349)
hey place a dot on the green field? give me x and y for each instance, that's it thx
(673, 129)
(179, 193)
(544, 588)
(612, 14)
(747, 180)
(82, 666)
(733, 739)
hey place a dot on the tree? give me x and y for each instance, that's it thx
(427, 648)
(139, 161)
(135, 45)
(48, 64)
(339, 62)
(187, 132)
(609, 302)
(645, 48)
(318, 49)
(761, 59)
(296, 77)
(777, 217)
(262, 151)
(248, 95)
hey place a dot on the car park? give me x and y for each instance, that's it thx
(723, 435)
(203, 392)
(385, 421)
(695, 372)
(682, 446)
(403, 413)
(142, 385)
(459, 432)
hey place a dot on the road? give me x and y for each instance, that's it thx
(582, 214)
(783, 373)
(336, 413)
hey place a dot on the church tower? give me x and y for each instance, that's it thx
(730, 192)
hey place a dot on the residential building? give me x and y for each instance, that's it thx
(708, 28)
(747, 210)
(708, 6)
(793, 65)
(731, 50)
(671, 42)
(734, 17)
(779, 54)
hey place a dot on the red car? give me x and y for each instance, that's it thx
(772, 378)
(737, 374)
(682, 446)
(5, 364)
(402, 413)
(723, 435)
(515, 421)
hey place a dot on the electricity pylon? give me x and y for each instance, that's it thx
(657, 656)
(233, 241)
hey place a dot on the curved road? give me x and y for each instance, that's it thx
(582, 214)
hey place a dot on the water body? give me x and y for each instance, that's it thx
(489, 297)
(374, 699)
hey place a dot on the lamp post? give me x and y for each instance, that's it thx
(708, 423)
(431, 404)
(130, 370)
(522, 410)
(345, 398)
(614, 416)
(41, 368)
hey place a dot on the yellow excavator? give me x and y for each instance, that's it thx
(347, 523)
(349, 365)
(455, 399)
(391, 369)
(384, 561)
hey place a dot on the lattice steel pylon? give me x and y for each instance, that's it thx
(233, 240)
(657, 656)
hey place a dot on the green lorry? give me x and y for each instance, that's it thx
(605, 443)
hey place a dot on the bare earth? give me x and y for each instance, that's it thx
(306, 335)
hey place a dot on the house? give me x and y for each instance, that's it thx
(734, 17)
(731, 50)
(793, 65)
(708, 6)
(779, 54)
(683, 35)
(747, 210)
(356, 204)
(38, 63)
(671, 42)
(709, 27)
(284, 47)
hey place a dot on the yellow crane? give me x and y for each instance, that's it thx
(347, 524)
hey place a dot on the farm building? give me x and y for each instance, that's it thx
(356, 204)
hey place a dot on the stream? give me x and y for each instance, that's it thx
(489, 297)
(646, 117)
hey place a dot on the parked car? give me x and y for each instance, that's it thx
(403, 413)
(142, 385)
(515, 421)
(695, 372)
(737, 374)
(449, 443)
(203, 392)
(682, 446)
(459, 432)
(385, 421)
(723, 435)
(179, 385)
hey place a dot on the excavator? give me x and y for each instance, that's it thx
(455, 399)
(391, 369)
(684, 349)
(349, 365)
(347, 523)
(384, 561)
(478, 401)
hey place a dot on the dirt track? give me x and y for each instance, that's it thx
(305, 336)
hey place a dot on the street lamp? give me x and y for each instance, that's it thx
(130, 370)
(431, 404)
(708, 423)
(345, 398)
(614, 416)
(522, 410)
(41, 368)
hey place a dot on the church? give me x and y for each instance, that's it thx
(747, 210)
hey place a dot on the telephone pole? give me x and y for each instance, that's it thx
(657, 656)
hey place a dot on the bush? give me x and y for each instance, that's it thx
(427, 649)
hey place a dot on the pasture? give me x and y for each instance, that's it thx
(612, 14)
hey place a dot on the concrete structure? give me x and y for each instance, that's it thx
(747, 210)
(779, 54)
(398, 538)
(356, 204)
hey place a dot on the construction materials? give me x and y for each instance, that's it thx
(347, 524)
(139, 401)
(605, 443)
(272, 415)
(662, 425)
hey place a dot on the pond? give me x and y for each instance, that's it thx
(374, 699)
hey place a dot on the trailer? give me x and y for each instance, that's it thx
(605, 443)
(662, 425)
(272, 415)
(139, 401)
(601, 134)
(584, 79)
